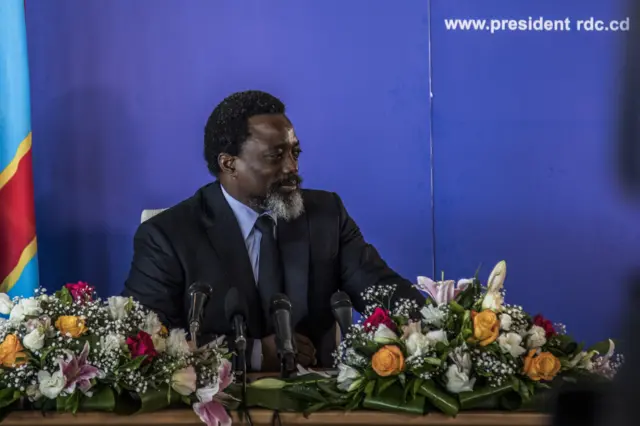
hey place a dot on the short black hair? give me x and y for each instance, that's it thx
(227, 127)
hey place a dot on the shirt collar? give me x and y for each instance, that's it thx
(244, 214)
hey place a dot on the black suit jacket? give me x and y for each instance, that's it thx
(199, 239)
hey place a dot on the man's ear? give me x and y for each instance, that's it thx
(227, 163)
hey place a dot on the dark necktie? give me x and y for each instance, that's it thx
(270, 275)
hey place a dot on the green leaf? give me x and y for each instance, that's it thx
(355, 402)
(383, 383)
(309, 393)
(467, 297)
(407, 388)
(402, 378)
(8, 396)
(270, 399)
(314, 408)
(456, 308)
(103, 399)
(433, 361)
(439, 398)
(392, 400)
(64, 296)
(483, 397)
(368, 349)
(416, 387)
(69, 403)
(132, 365)
(331, 390)
(368, 390)
(156, 399)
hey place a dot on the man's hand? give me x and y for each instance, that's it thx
(306, 352)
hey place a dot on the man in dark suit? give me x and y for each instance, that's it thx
(256, 229)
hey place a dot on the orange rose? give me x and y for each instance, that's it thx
(11, 352)
(388, 361)
(486, 326)
(72, 325)
(545, 366)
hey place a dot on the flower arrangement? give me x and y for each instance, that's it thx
(72, 351)
(464, 349)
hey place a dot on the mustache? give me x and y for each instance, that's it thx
(292, 179)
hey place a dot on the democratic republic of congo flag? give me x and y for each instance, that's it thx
(18, 248)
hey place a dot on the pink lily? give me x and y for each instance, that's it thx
(77, 372)
(210, 408)
(442, 292)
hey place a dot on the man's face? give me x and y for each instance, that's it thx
(267, 167)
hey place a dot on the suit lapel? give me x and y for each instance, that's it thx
(293, 241)
(225, 236)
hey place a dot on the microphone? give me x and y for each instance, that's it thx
(236, 312)
(342, 310)
(199, 293)
(281, 314)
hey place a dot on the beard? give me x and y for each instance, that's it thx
(283, 205)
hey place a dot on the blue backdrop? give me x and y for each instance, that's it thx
(523, 126)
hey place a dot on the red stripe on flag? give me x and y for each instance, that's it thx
(17, 216)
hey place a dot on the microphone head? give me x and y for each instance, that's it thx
(340, 299)
(234, 305)
(200, 287)
(279, 301)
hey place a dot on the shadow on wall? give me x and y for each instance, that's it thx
(84, 153)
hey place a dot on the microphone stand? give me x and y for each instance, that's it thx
(241, 369)
(194, 329)
(287, 365)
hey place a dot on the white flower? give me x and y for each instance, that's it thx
(6, 305)
(417, 344)
(536, 337)
(183, 381)
(497, 277)
(432, 315)
(492, 300)
(25, 308)
(384, 335)
(436, 336)
(511, 343)
(152, 324)
(347, 378)
(458, 380)
(33, 393)
(177, 344)
(461, 357)
(112, 342)
(117, 307)
(207, 394)
(505, 322)
(582, 360)
(50, 384)
(159, 343)
(34, 340)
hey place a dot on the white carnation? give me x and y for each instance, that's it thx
(505, 322)
(536, 337)
(177, 344)
(152, 324)
(34, 340)
(511, 343)
(117, 307)
(6, 305)
(50, 384)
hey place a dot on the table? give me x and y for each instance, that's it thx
(263, 417)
